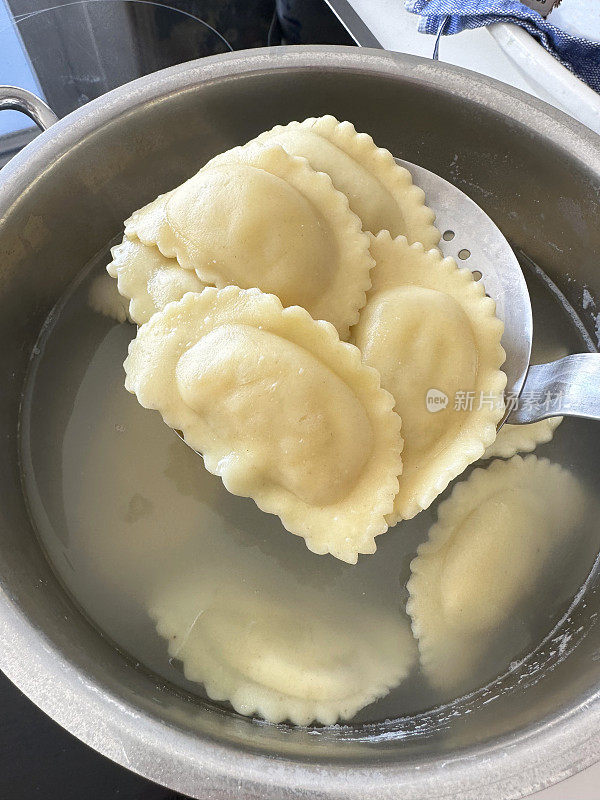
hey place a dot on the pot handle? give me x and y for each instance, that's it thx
(28, 103)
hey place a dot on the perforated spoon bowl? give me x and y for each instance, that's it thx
(567, 387)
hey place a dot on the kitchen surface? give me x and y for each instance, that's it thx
(501, 51)
(73, 52)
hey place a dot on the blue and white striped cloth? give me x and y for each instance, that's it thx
(445, 17)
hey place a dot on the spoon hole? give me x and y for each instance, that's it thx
(447, 236)
(477, 275)
(464, 254)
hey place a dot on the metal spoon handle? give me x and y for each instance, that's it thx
(568, 387)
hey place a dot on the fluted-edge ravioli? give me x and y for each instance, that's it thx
(267, 220)
(512, 439)
(428, 327)
(490, 544)
(148, 279)
(147, 222)
(281, 652)
(280, 408)
(379, 190)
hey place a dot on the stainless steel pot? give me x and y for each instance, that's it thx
(535, 171)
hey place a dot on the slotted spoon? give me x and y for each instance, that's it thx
(567, 387)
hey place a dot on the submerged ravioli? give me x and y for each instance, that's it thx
(379, 191)
(281, 409)
(266, 219)
(105, 299)
(433, 336)
(273, 649)
(484, 556)
(148, 279)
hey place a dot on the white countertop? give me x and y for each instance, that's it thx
(396, 29)
(479, 50)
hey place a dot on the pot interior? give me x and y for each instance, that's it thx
(536, 189)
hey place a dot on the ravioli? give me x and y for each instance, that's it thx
(104, 298)
(266, 219)
(280, 409)
(148, 279)
(273, 649)
(433, 336)
(147, 222)
(512, 439)
(379, 191)
(490, 546)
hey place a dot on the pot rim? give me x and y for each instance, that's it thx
(144, 743)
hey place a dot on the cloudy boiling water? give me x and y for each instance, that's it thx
(124, 507)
